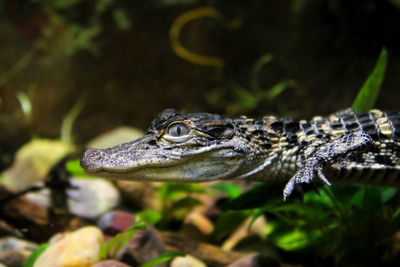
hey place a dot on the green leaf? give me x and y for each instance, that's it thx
(372, 200)
(231, 190)
(321, 198)
(257, 67)
(357, 199)
(184, 204)
(278, 88)
(345, 193)
(396, 213)
(120, 240)
(73, 166)
(63, 4)
(229, 221)
(246, 99)
(152, 217)
(294, 240)
(162, 258)
(121, 19)
(387, 193)
(68, 122)
(32, 258)
(368, 94)
(171, 191)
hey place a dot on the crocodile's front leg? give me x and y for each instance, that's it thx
(329, 153)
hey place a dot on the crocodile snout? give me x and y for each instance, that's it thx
(91, 160)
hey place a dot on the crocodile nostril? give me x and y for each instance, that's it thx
(90, 159)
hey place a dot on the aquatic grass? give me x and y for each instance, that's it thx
(118, 241)
(229, 189)
(257, 67)
(167, 256)
(25, 103)
(247, 98)
(369, 92)
(151, 217)
(35, 255)
(66, 128)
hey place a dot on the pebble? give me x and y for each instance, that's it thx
(187, 261)
(115, 222)
(115, 137)
(90, 198)
(140, 195)
(77, 249)
(110, 263)
(255, 260)
(33, 162)
(144, 246)
(15, 251)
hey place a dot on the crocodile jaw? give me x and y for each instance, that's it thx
(138, 164)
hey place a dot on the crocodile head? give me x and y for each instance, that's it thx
(177, 147)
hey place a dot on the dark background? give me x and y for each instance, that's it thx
(116, 56)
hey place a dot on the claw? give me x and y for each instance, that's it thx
(304, 176)
(322, 176)
(288, 189)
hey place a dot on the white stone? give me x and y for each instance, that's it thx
(77, 249)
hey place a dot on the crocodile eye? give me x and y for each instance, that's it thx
(178, 130)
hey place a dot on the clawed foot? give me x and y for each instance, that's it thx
(327, 154)
(303, 176)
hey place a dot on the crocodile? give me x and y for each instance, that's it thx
(345, 146)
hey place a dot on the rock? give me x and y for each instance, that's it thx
(140, 195)
(33, 221)
(110, 263)
(255, 260)
(187, 261)
(13, 258)
(77, 249)
(7, 229)
(115, 222)
(144, 246)
(244, 231)
(115, 137)
(14, 251)
(92, 198)
(33, 161)
(200, 221)
(212, 255)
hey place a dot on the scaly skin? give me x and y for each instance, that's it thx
(203, 147)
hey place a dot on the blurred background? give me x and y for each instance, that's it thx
(72, 72)
(120, 62)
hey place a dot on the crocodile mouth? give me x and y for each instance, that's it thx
(207, 165)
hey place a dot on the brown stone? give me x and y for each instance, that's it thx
(110, 263)
(35, 221)
(210, 254)
(144, 246)
(141, 195)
